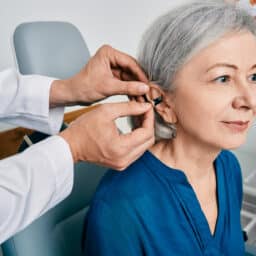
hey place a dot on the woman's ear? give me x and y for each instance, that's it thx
(166, 107)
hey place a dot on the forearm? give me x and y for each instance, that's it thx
(61, 94)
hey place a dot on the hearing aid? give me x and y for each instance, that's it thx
(155, 101)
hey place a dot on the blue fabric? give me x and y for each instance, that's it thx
(151, 209)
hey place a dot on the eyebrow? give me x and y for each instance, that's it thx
(226, 65)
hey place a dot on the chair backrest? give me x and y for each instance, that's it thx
(55, 49)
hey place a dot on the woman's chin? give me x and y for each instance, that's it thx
(234, 144)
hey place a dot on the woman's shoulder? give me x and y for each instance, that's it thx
(129, 183)
(228, 159)
(229, 163)
(232, 172)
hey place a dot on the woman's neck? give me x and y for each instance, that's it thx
(195, 159)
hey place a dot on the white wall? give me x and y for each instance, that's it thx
(119, 23)
(114, 22)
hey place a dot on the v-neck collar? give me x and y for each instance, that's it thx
(180, 186)
(207, 239)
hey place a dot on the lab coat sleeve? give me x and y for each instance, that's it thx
(33, 182)
(25, 102)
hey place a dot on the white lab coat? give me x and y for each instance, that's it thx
(37, 179)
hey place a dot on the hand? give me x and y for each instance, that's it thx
(109, 72)
(94, 137)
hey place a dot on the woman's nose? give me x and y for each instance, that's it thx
(246, 99)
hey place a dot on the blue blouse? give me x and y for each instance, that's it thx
(151, 210)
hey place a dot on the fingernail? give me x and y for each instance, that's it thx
(143, 88)
(146, 105)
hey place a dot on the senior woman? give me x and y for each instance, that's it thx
(184, 195)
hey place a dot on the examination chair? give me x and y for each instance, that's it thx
(54, 49)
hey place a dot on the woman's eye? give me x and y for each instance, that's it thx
(252, 77)
(222, 79)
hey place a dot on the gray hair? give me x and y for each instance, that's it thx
(181, 33)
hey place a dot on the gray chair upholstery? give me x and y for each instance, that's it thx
(55, 49)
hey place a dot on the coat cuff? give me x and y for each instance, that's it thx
(35, 104)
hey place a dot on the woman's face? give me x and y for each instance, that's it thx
(215, 95)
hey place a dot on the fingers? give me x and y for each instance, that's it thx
(148, 121)
(130, 108)
(133, 155)
(123, 75)
(139, 151)
(131, 146)
(113, 86)
(121, 60)
(142, 134)
(130, 64)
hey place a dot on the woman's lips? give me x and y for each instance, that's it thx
(236, 126)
